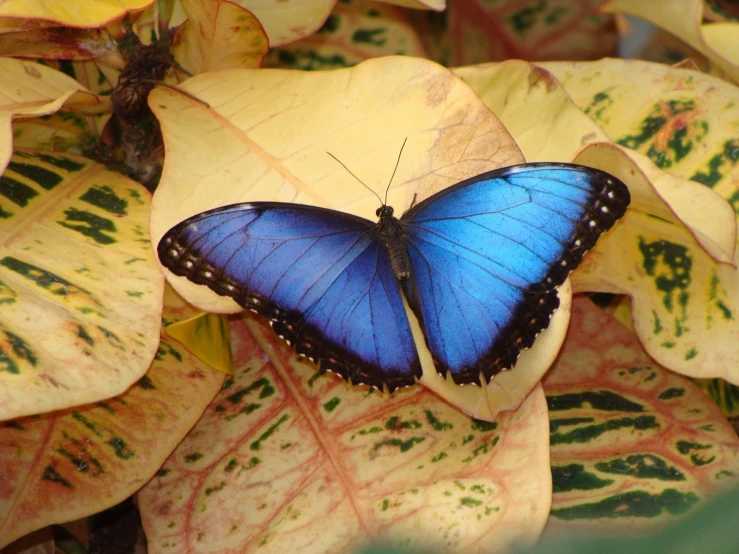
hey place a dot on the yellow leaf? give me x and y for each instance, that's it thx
(219, 35)
(206, 336)
(716, 41)
(76, 462)
(286, 452)
(28, 90)
(535, 109)
(632, 444)
(80, 286)
(96, 13)
(684, 301)
(288, 21)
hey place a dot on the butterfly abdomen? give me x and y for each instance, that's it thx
(392, 237)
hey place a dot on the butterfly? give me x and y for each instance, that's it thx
(479, 264)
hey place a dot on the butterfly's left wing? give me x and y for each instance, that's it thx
(488, 253)
(319, 275)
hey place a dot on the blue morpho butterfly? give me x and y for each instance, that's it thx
(478, 262)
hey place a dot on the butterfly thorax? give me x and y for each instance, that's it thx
(392, 237)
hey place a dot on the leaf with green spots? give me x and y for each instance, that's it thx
(71, 337)
(620, 446)
(73, 463)
(355, 31)
(675, 250)
(395, 462)
(543, 30)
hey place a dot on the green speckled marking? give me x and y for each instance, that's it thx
(90, 225)
(7, 294)
(374, 429)
(90, 425)
(385, 504)
(105, 198)
(246, 410)
(331, 405)
(12, 424)
(668, 344)
(315, 376)
(733, 199)
(642, 466)
(574, 477)
(89, 464)
(635, 504)
(331, 25)
(165, 349)
(525, 18)
(483, 448)
(44, 279)
(684, 447)
(402, 445)
(673, 392)
(439, 456)
(670, 264)
(44, 178)
(590, 432)
(712, 173)
(162, 472)
(58, 161)
(21, 349)
(374, 37)
(135, 294)
(690, 354)
(394, 423)
(555, 424)
(601, 400)
(308, 59)
(657, 323)
(112, 337)
(263, 383)
(724, 309)
(257, 444)
(482, 426)
(53, 476)
(120, 448)
(468, 438)
(681, 141)
(15, 191)
(81, 333)
(146, 383)
(231, 465)
(219, 487)
(192, 458)
(436, 424)
(470, 502)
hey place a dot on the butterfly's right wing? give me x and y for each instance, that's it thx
(318, 275)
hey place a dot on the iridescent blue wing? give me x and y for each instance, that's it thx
(319, 275)
(488, 253)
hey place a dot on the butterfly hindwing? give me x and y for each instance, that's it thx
(488, 253)
(317, 274)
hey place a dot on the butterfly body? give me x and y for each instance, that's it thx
(478, 263)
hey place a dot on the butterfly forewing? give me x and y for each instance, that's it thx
(318, 275)
(488, 253)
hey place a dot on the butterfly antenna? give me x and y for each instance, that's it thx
(394, 170)
(357, 178)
